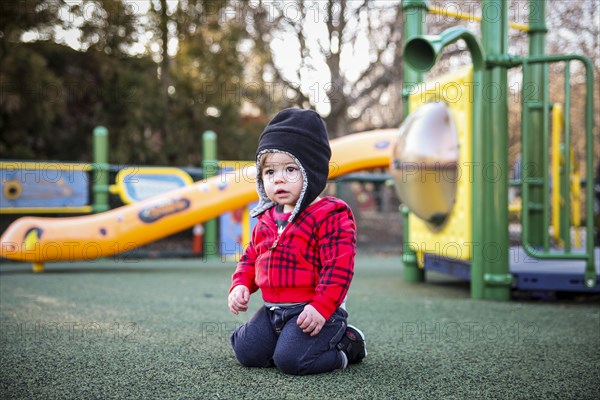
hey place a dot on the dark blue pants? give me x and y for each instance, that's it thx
(273, 338)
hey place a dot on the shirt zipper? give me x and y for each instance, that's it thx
(273, 246)
(276, 242)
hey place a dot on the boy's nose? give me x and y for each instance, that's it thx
(279, 177)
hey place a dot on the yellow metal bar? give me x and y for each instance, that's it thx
(575, 199)
(515, 207)
(245, 227)
(471, 17)
(557, 127)
(37, 267)
(575, 192)
(421, 259)
(47, 210)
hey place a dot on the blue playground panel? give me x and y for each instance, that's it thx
(529, 274)
(43, 187)
(231, 232)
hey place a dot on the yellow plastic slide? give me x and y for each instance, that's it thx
(90, 237)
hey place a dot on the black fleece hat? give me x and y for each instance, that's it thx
(301, 134)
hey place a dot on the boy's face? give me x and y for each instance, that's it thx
(282, 179)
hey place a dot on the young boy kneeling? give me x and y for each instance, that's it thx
(301, 257)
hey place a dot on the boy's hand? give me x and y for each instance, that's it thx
(238, 299)
(310, 321)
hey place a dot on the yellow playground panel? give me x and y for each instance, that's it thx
(454, 238)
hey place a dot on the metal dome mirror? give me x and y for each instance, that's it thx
(424, 163)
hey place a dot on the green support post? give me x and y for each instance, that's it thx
(494, 243)
(534, 172)
(101, 170)
(412, 272)
(210, 168)
(564, 215)
(414, 12)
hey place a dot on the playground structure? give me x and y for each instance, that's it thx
(39, 240)
(466, 236)
(471, 241)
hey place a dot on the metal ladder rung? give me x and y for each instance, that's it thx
(534, 181)
(538, 105)
(535, 206)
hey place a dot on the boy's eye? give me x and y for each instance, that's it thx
(291, 169)
(268, 171)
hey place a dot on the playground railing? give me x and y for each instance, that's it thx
(528, 180)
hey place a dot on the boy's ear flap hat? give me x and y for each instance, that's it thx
(302, 135)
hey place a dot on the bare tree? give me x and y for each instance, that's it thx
(327, 37)
(574, 28)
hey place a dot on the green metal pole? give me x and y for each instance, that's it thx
(478, 159)
(413, 13)
(566, 179)
(533, 89)
(494, 167)
(100, 179)
(209, 169)
(564, 217)
(412, 272)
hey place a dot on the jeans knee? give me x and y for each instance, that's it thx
(245, 359)
(290, 363)
(246, 354)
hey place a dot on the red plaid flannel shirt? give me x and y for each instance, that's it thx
(311, 261)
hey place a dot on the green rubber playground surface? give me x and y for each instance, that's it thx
(158, 329)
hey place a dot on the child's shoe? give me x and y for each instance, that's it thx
(353, 345)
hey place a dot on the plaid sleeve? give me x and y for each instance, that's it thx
(337, 248)
(244, 272)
